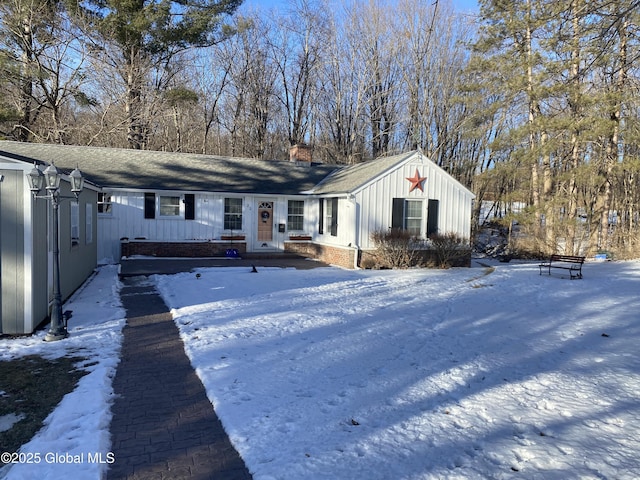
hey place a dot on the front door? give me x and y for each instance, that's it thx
(265, 226)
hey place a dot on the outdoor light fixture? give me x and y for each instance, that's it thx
(77, 181)
(50, 180)
(36, 179)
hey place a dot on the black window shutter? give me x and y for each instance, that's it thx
(321, 215)
(334, 217)
(397, 213)
(432, 217)
(189, 206)
(149, 205)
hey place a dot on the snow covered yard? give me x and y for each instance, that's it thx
(417, 374)
(80, 423)
(423, 374)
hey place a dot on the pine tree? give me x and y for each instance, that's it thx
(560, 70)
(149, 34)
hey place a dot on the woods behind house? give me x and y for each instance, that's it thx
(533, 104)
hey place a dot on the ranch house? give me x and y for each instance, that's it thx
(188, 205)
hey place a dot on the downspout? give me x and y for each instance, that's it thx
(353, 204)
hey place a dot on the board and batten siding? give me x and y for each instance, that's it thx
(127, 220)
(23, 255)
(345, 233)
(375, 200)
(12, 274)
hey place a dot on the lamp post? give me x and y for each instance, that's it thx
(50, 180)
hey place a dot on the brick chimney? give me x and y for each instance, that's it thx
(301, 153)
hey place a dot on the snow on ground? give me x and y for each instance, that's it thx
(420, 374)
(416, 374)
(80, 423)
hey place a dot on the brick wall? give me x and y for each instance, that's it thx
(343, 257)
(300, 153)
(179, 249)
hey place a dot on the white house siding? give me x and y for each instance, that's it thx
(375, 200)
(346, 223)
(126, 220)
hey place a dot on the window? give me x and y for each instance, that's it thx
(75, 223)
(88, 224)
(407, 215)
(331, 215)
(169, 206)
(104, 203)
(295, 215)
(233, 214)
(413, 216)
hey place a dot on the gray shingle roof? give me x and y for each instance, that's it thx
(122, 168)
(349, 179)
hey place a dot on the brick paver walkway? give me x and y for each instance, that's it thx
(163, 426)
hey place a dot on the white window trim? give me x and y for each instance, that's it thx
(88, 224)
(224, 214)
(406, 217)
(180, 211)
(301, 215)
(109, 196)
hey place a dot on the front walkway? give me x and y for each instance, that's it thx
(163, 426)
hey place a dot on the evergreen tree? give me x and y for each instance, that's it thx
(560, 69)
(147, 35)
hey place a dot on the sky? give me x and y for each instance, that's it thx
(463, 5)
(489, 372)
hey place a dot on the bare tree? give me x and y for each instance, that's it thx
(342, 105)
(296, 50)
(42, 62)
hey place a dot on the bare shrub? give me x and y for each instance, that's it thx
(449, 248)
(396, 248)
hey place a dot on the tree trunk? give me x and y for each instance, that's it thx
(604, 201)
(23, 129)
(136, 131)
(575, 99)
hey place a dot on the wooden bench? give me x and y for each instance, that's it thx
(565, 262)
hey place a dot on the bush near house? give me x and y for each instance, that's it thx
(449, 249)
(397, 248)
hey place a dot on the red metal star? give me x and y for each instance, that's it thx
(416, 181)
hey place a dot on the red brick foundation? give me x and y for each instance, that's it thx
(179, 249)
(333, 255)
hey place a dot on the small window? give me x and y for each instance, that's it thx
(413, 216)
(233, 214)
(104, 203)
(295, 215)
(88, 224)
(75, 223)
(169, 206)
(407, 215)
(331, 215)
